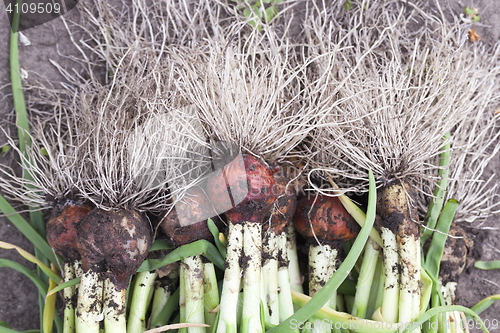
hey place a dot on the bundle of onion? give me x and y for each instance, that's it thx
(397, 102)
(184, 224)
(132, 155)
(113, 242)
(52, 178)
(326, 225)
(247, 96)
(248, 182)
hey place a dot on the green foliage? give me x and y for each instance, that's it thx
(436, 204)
(348, 5)
(259, 11)
(485, 303)
(27, 230)
(435, 252)
(472, 13)
(160, 245)
(486, 265)
(215, 233)
(5, 150)
(203, 247)
(167, 311)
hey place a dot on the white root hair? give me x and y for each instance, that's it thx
(474, 144)
(391, 92)
(51, 163)
(248, 92)
(107, 159)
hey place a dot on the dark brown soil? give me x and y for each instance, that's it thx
(18, 295)
(115, 242)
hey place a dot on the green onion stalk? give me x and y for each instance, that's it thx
(296, 278)
(366, 279)
(403, 234)
(184, 224)
(377, 289)
(276, 287)
(168, 284)
(143, 288)
(326, 225)
(244, 189)
(62, 237)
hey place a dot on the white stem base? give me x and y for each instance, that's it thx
(252, 245)
(284, 285)
(390, 299)
(296, 279)
(143, 291)
(195, 307)
(69, 293)
(182, 294)
(161, 296)
(89, 303)
(365, 279)
(114, 308)
(231, 286)
(211, 290)
(269, 283)
(409, 289)
(322, 260)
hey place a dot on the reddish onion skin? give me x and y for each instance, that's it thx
(61, 229)
(116, 242)
(330, 220)
(249, 183)
(186, 222)
(284, 205)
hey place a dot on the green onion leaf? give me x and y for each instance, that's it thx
(168, 309)
(442, 309)
(160, 245)
(215, 233)
(486, 265)
(485, 303)
(203, 247)
(64, 285)
(435, 252)
(436, 203)
(27, 230)
(50, 273)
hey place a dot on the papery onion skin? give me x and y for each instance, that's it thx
(325, 218)
(61, 229)
(244, 189)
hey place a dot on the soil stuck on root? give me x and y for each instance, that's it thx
(115, 242)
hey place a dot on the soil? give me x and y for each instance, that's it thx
(50, 41)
